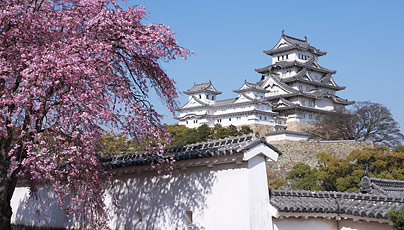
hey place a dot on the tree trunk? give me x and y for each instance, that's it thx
(6, 192)
(7, 187)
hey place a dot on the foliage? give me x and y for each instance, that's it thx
(397, 217)
(274, 181)
(398, 148)
(367, 121)
(69, 70)
(338, 174)
(182, 135)
(303, 177)
(118, 144)
(178, 134)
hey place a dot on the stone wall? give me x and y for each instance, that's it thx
(294, 152)
(261, 129)
(298, 126)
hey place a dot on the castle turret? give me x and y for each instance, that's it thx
(205, 92)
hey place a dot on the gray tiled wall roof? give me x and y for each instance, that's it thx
(356, 204)
(211, 148)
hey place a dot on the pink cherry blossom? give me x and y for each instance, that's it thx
(69, 71)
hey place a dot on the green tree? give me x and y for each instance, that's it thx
(219, 132)
(204, 132)
(232, 131)
(177, 134)
(398, 148)
(273, 180)
(303, 177)
(245, 130)
(190, 137)
(397, 217)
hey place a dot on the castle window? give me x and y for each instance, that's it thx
(207, 96)
(287, 56)
(311, 116)
(213, 97)
(187, 122)
(200, 96)
(283, 57)
(229, 119)
(279, 58)
(260, 117)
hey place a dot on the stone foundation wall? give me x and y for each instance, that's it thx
(261, 129)
(294, 152)
(297, 126)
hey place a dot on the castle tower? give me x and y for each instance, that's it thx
(300, 89)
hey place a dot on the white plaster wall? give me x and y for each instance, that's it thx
(304, 224)
(324, 104)
(220, 197)
(29, 211)
(327, 224)
(216, 199)
(316, 75)
(291, 137)
(349, 224)
(258, 194)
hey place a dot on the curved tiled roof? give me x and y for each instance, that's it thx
(355, 204)
(211, 148)
(316, 94)
(302, 73)
(202, 87)
(251, 87)
(295, 43)
(227, 102)
(311, 64)
(372, 185)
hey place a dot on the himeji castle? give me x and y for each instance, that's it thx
(293, 91)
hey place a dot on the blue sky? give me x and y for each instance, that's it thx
(364, 41)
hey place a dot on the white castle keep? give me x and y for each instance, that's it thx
(292, 91)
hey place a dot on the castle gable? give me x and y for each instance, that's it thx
(193, 102)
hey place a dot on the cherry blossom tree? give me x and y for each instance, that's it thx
(69, 70)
